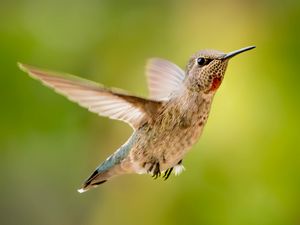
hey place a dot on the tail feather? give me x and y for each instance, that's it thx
(118, 163)
(100, 176)
(94, 180)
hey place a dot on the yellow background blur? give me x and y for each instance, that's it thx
(245, 169)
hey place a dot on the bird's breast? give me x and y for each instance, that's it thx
(171, 135)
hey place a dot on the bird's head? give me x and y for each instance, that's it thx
(206, 69)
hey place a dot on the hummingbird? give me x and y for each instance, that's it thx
(165, 125)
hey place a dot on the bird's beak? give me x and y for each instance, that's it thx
(236, 52)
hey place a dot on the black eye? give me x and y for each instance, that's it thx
(203, 61)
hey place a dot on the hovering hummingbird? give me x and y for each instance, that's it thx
(165, 126)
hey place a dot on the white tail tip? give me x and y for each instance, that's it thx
(81, 190)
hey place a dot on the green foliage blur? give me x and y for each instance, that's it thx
(244, 170)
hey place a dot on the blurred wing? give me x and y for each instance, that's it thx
(163, 78)
(95, 97)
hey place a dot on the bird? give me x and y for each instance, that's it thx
(165, 125)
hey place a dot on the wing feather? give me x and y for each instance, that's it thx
(163, 78)
(105, 102)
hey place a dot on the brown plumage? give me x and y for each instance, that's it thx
(165, 126)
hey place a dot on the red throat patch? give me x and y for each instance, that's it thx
(215, 84)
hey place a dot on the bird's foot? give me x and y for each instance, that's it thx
(167, 173)
(177, 169)
(156, 171)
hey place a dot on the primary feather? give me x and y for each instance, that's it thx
(114, 104)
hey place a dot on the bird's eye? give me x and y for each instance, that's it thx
(202, 61)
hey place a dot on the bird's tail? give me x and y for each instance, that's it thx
(94, 180)
(102, 174)
(118, 163)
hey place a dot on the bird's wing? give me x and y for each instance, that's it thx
(163, 78)
(94, 97)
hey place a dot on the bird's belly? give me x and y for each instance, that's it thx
(165, 147)
(178, 144)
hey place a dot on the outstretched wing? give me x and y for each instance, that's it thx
(95, 97)
(163, 78)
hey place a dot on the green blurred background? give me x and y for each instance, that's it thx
(245, 169)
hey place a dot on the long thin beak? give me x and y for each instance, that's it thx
(236, 52)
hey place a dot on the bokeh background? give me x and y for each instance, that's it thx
(245, 169)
